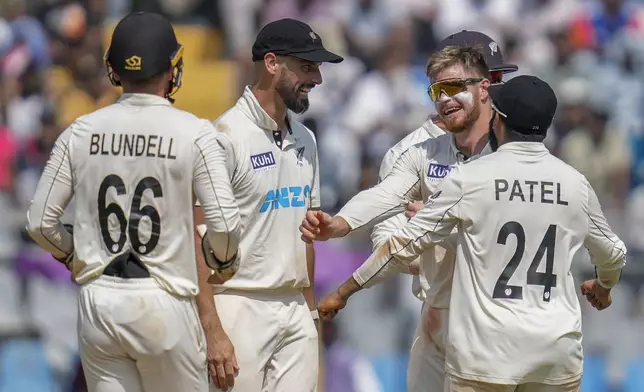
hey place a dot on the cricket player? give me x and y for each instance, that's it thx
(260, 327)
(521, 215)
(133, 167)
(425, 370)
(432, 128)
(460, 82)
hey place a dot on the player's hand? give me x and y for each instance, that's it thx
(598, 296)
(316, 226)
(330, 305)
(412, 208)
(222, 362)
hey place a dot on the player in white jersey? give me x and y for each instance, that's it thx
(521, 215)
(462, 81)
(133, 168)
(426, 361)
(432, 128)
(261, 321)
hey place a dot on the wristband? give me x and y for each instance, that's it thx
(315, 314)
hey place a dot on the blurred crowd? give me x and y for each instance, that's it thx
(590, 51)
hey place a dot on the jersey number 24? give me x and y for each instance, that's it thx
(546, 279)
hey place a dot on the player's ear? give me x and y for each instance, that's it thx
(484, 90)
(271, 63)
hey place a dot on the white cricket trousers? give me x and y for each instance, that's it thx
(426, 368)
(275, 339)
(455, 384)
(136, 337)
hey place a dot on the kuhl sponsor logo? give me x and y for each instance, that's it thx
(438, 171)
(260, 161)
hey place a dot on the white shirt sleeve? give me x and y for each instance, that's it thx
(383, 230)
(431, 225)
(315, 202)
(388, 198)
(54, 192)
(213, 188)
(607, 251)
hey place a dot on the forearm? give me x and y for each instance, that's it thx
(205, 299)
(214, 191)
(53, 194)
(309, 292)
(383, 201)
(348, 288)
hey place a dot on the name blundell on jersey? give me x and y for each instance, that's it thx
(132, 145)
(526, 192)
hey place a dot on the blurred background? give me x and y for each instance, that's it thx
(591, 52)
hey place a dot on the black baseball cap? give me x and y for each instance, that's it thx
(290, 37)
(526, 103)
(492, 51)
(143, 44)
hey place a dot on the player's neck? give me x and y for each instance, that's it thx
(472, 141)
(271, 102)
(150, 90)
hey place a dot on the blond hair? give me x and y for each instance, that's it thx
(471, 58)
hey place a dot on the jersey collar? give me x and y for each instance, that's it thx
(528, 148)
(249, 105)
(429, 126)
(460, 157)
(139, 99)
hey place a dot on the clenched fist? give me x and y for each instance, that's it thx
(316, 226)
(598, 296)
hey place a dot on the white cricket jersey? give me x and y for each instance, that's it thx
(132, 168)
(382, 230)
(415, 176)
(521, 216)
(273, 187)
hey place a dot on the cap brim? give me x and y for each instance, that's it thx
(505, 68)
(319, 56)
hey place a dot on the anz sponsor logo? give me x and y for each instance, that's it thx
(263, 161)
(287, 197)
(438, 171)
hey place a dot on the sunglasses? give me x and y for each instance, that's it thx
(450, 87)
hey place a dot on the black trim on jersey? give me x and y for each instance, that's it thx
(604, 234)
(411, 241)
(46, 204)
(214, 190)
(277, 134)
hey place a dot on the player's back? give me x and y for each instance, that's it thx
(524, 214)
(133, 170)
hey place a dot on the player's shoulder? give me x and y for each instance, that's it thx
(302, 132)
(234, 124)
(167, 113)
(436, 145)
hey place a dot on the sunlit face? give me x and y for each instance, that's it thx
(296, 79)
(460, 111)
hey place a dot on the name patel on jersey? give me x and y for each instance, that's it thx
(263, 161)
(524, 191)
(129, 145)
(438, 171)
